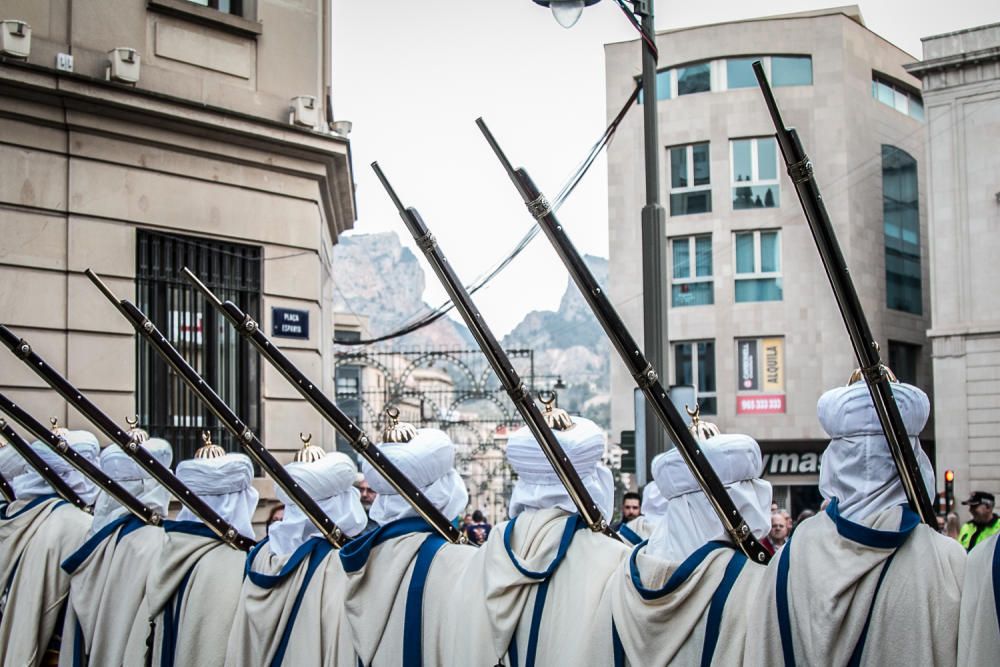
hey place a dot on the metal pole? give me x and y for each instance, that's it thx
(654, 241)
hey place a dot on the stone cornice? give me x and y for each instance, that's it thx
(925, 67)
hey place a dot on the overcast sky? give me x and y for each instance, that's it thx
(412, 75)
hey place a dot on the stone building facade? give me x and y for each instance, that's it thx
(752, 320)
(198, 162)
(960, 72)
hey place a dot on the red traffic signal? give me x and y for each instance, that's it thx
(949, 476)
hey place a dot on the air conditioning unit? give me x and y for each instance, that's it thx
(15, 38)
(304, 111)
(123, 65)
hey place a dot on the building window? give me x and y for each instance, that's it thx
(791, 71)
(690, 189)
(739, 73)
(760, 375)
(227, 6)
(758, 266)
(754, 173)
(664, 79)
(166, 407)
(694, 364)
(695, 78)
(898, 96)
(901, 219)
(347, 381)
(692, 271)
(904, 360)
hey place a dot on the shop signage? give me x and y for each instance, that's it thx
(747, 360)
(791, 463)
(760, 404)
(290, 323)
(774, 365)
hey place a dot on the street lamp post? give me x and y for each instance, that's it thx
(654, 236)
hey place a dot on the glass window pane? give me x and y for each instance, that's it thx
(694, 79)
(701, 168)
(791, 71)
(757, 196)
(685, 203)
(916, 108)
(899, 101)
(901, 224)
(707, 405)
(682, 258)
(769, 262)
(683, 371)
(758, 289)
(706, 366)
(692, 294)
(742, 163)
(703, 255)
(744, 253)
(678, 167)
(663, 85)
(767, 159)
(739, 73)
(884, 93)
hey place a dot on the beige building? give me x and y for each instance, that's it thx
(961, 88)
(140, 137)
(752, 320)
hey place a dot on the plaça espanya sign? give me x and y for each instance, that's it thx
(791, 463)
(290, 323)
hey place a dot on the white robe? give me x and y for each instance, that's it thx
(379, 572)
(979, 628)
(637, 530)
(201, 615)
(833, 572)
(318, 635)
(38, 585)
(107, 589)
(663, 611)
(497, 601)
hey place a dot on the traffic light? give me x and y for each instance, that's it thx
(949, 490)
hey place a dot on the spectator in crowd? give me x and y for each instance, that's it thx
(779, 531)
(940, 523)
(478, 530)
(276, 514)
(631, 508)
(368, 496)
(984, 521)
(952, 526)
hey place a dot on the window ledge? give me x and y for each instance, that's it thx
(212, 18)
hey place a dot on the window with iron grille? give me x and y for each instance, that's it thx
(166, 407)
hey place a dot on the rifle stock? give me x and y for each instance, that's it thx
(500, 363)
(61, 488)
(641, 370)
(866, 348)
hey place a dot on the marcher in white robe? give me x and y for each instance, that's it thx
(641, 527)
(863, 583)
(108, 572)
(979, 626)
(292, 602)
(402, 577)
(193, 588)
(530, 593)
(37, 531)
(682, 598)
(12, 464)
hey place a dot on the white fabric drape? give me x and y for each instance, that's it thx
(31, 485)
(224, 483)
(120, 467)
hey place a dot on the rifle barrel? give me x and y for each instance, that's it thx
(61, 488)
(501, 364)
(642, 371)
(866, 348)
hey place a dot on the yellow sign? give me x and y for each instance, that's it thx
(773, 357)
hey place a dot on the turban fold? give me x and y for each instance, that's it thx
(653, 504)
(30, 484)
(428, 460)
(538, 486)
(123, 469)
(225, 484)
(330, 482)
(690, 516)
(857, 467)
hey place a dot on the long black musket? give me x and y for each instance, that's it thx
(162, 474)
(866, 348)
(501, 364)
(642, 372)
(361, 443)
(22, 447)
(6, 491)
(246, 437)
(100, 479)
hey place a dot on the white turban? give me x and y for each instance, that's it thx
(30, 484)
(120, 467)
(653, 504)
(12, 463)
(538, 486)
(330, 482)
(857, 467)
(690, 521)
(225, 484)
(428, 460)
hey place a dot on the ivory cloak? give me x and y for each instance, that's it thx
(979, 627)
(192, 592)
(637, 530)
(19, 521)
(38, 586)
(497, 599)
(107, 589)
(662, 610)
(292, 603)
(833, 570)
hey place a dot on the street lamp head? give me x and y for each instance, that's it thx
(566, 12)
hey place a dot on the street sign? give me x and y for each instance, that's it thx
(290, 323)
